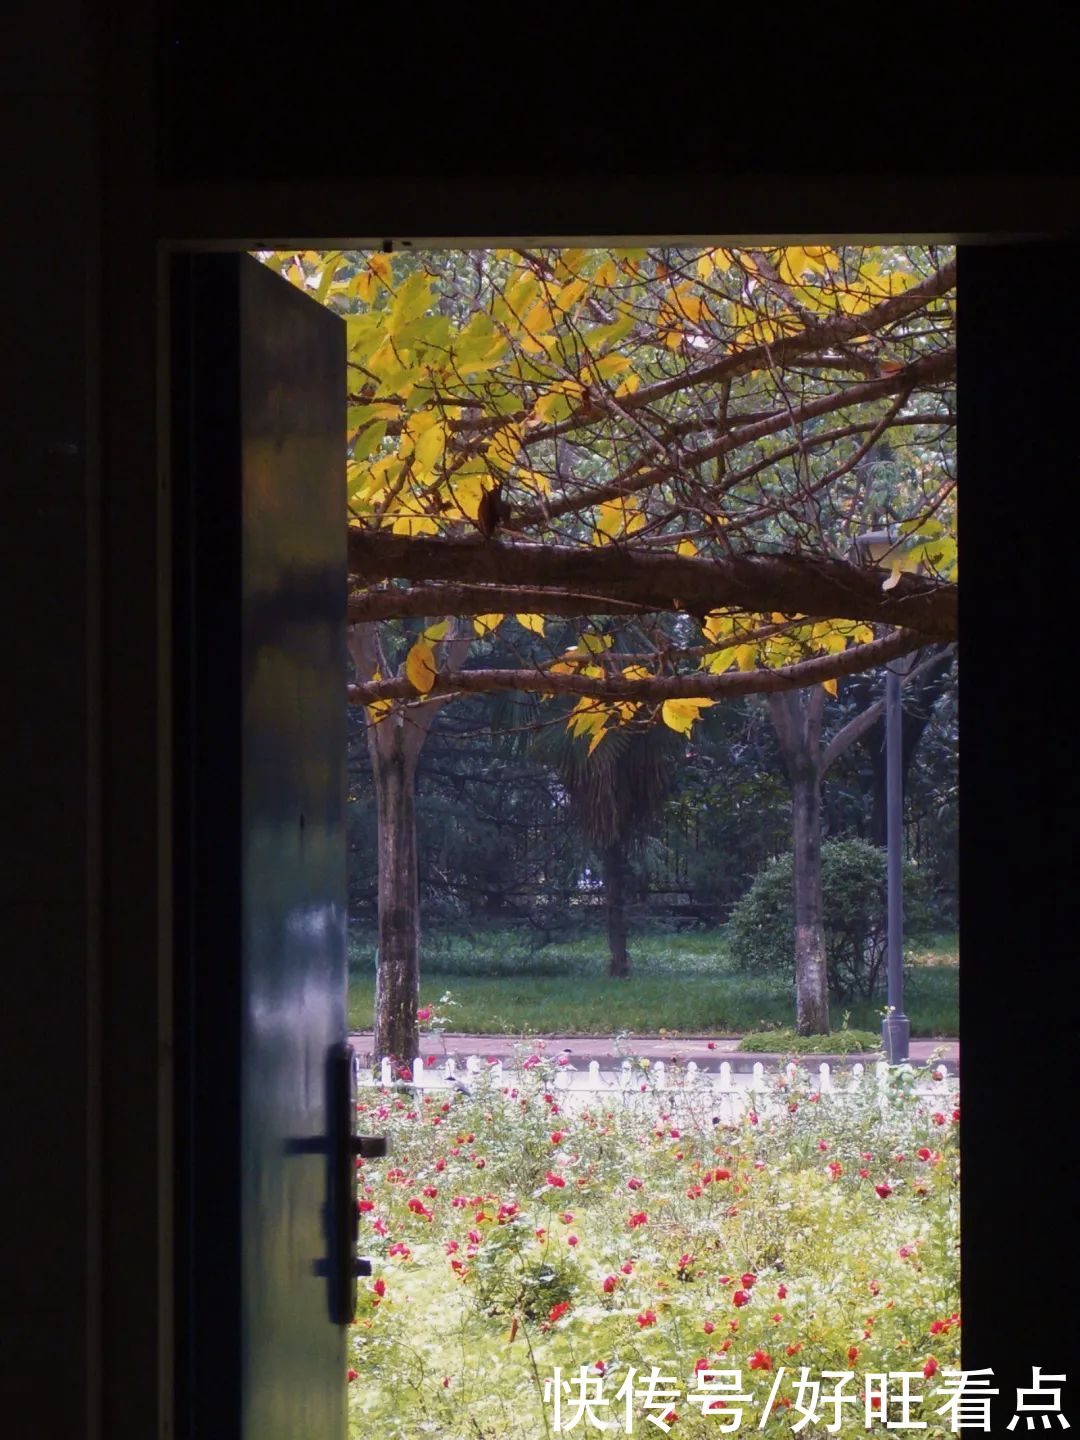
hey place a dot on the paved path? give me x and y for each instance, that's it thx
(704, 1049)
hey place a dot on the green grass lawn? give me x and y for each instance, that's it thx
(506, 982)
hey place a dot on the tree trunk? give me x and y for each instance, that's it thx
(614, 867)
(796, 718)
(811, 975)
(394, 747)
(397, 975)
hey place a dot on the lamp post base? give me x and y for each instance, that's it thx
(895, 1035)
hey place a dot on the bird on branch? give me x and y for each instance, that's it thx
(492, 511)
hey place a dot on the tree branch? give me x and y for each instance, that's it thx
(699, 685)
(866, 719)
(791, 584)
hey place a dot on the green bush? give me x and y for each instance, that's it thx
(853, 885)
(788, 1042)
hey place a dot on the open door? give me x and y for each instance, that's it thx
(265, 1203)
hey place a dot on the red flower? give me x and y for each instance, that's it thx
(721, 1174)
(424, 1014)
(571, 1239)
(760, 1360)
(557, 1137)
(794, 1349)
(634, 1183)
(884, 1189)
(610, 1281)
(930, 1368)
(481, 1163)
(566, 1217)
(353, 1375)
(781, 1292)
(710, 1045)
(365, 1205)
(556, 1180)
(740, 1298)
(853, 1353)
(640, 1218)
(835, 1169)
(379, 1287)
(708, 1327)
(938, 1118)
(627, 1269)
(558, 1311)
(748, 1281)
(647, 1317)
(924, 1152)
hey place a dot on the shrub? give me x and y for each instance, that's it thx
(788, 1042)
(853, 884)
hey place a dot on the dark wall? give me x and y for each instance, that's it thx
(49, 874)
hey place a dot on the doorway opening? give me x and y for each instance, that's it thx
(634, 535)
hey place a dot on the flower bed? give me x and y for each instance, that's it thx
(512, 1236)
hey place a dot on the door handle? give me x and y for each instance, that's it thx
(345, 1147)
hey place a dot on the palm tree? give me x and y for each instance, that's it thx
(614, 794)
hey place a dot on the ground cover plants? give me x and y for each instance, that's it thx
(519, 1228)
(509, 981)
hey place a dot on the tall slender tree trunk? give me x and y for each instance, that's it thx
(614, 868)
(397, 975)
(394, 746)
(811, 974)
(797, 716)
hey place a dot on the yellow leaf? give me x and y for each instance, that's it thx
(628, 386)
(486, 624)
(612, 365)
(830, 686)
(680, 715)
(535, 623)
(717, 626)
(706, 265)
(606, 274)
(379, 265)
(597, 737)
(569, 294)
(420, 666)
(686, 547)
(436, 631)
(718, 663)
(893, 577)
(744, 656)
(414, 525)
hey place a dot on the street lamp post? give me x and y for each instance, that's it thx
(895, 1028)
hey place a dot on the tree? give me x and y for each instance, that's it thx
(615, 793)
(663, 434)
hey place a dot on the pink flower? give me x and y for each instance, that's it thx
(708, 1327)
(634, 1183)
(610, 1281)
(571, 1239)
(930, 1368)
(379, 1287)
(556, 1180)
(640, 1218)
(647, 1317)
(424, 1014)
(748, 1281)
(740, 1298)
(781, 1292)
(884, 1189)
(557, 1137)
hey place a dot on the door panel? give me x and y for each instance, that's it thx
(258, 464)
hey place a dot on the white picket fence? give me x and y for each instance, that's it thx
(728, 1092)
